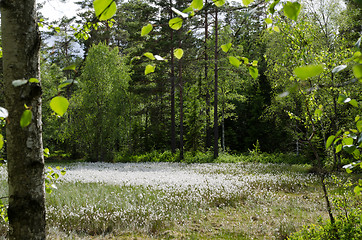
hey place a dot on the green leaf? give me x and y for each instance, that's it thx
(246, 60)
(146, 29)
(219, 3)
(341, 98)
(308, 71)
(330, 141)
(25, 119)
(253, 72)
(135, 58)
(178, 52)
(20, 82)
(276, 29)
(356, 153)
(175, 23)
(352, 135)
(268, 21)
(347, 141)
(149, 69)
(272, 6)
(357, 57)
(357, 70)
(66, 83)
(1, 141)
(70, 67)
(197, 4)
(353, 102)
(337, 140)
(339, 68)
(359, 126)
(226, 47)
(254, 63)
(318, 113)
(349, 148)
(104, 9)
(59, 105)
(149, 55)
(234, 61)
(33, 80)
(247, 2)
(292, 10)
(3, 112)
(46, 152)
(339, 148)
(357, 190)
(189, 9)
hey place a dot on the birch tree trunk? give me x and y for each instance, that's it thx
(21, 42)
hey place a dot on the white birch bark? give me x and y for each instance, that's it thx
(20, 42)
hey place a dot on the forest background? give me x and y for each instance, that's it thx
(116, 110)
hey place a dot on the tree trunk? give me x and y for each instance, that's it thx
(181, 111)
(21, 42)
(207, 95)
(223, 124)
(216, 117)
(173, 121)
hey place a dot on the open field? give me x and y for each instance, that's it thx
(182, 201)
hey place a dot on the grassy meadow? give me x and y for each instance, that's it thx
(182, 201)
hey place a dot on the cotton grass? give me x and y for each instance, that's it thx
(152, 198)
(182, 176)
(176, 200)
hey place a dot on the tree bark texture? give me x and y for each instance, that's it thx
(181, 110)
(216, 89)
(207, 95)
(21, 42)
(172, 77)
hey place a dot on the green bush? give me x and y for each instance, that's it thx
(199, 157)
(153, 156)
(208, 157)
(344, 229)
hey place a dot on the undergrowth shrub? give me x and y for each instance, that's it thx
(199, 157)
(347, 211)
(208, 157)
(344, 229)
(153, 156)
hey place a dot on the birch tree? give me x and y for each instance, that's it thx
(21, 42)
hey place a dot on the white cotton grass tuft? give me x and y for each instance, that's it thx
(182, 175)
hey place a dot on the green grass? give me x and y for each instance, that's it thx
(270, 210)
(87, 210)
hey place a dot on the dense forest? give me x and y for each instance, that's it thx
(170, 82)
(116, 109)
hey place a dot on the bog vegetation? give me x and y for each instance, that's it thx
(219, 120)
